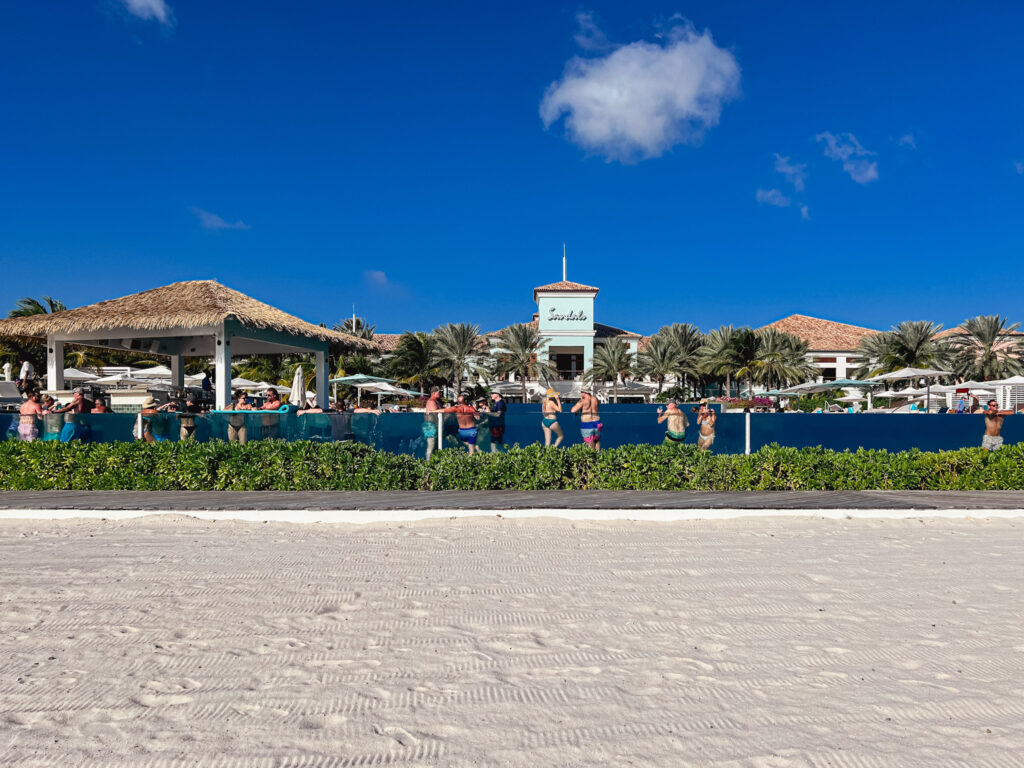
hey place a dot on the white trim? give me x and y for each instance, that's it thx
(372, 516)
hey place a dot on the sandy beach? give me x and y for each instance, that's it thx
(169, 641)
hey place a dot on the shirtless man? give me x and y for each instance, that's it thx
(993, 426)
(467, 417)
(72, 429)
(675, 430)
(30, 410)
(550, 408)
(270, 424)
(706, 419)
(429, 427)
(590, 424)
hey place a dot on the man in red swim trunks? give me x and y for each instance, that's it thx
(467, 416)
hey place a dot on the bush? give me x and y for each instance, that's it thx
(308, 466)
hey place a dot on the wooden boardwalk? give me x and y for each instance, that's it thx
(186, 501)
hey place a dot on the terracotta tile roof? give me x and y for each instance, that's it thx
(564, 285)
(602, 331)
(386, 342)
(823, 335)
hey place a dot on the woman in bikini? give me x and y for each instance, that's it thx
(551, 407)
(706, 419)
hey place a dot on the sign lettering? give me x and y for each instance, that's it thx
(554, 314)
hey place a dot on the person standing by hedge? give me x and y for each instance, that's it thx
(551, 407)
(706, 418)
(675, 430)
(497, 422)
(590, 422)
(429, 427)
(992, 438)
(467, 417)
(29, 412)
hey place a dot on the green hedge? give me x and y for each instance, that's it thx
(277, 465)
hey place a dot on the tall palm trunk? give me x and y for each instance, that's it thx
(522, 380)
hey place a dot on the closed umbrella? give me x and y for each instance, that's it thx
(298, 395)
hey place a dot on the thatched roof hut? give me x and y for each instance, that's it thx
(189, 304)
(196, 318)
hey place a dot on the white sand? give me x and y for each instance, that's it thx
(766, 642)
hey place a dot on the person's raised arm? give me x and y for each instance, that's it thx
(577, 408)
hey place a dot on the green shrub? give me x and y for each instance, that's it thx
(278, 465)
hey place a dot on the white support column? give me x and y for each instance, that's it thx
(177, 371)
(322, 400)
(54, 364)
(222, 368)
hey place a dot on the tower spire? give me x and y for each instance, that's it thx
(564, 278)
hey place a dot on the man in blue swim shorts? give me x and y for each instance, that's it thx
(467, 416)
(590, 423)
(429, 427)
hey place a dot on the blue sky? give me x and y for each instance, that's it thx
(705, 162)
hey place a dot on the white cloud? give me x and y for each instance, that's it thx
(805, 212)
(209, 220)
(907, 140)
(150, 10)
(375, 276)
(1018, 166)
(773, 197)
(642, 99)
(795, 173)
(589, 36)
(847, 149)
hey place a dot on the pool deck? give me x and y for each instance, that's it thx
(392, 506)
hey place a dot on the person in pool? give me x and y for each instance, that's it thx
(706, 418)
(29, 412)
(675, 430)
(590, 423)
(550, 408)
(429, 427)
(497, 423)
(467, 417)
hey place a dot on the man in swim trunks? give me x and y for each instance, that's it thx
(590, 424)
(429, 427)
(73, 429)
(467, 417)
(993, 426)
(706, 418)
(550, 408)
(30, 410)
(675, 430)
(497, 424)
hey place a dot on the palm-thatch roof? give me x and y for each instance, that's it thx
(188, 304)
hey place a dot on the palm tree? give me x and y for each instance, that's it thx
(355, 326)
(660, 359)
(782, 358)
(458, 348)
(717, 357)
(413, 362)
(911, 344)
(611, 360)
(28, 306)
(517, 350)
(745, 347)
(688, 341)
(986, 348)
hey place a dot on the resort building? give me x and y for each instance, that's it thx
(831, 346)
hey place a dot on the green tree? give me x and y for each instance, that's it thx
(660, 359)
(356, 326)
(782, 359)
(611, 360)
(517, 352)
(687, 340)
(745, 347)
(717, 357)
(44, 305)
(910, 344)
(459, 349)
(414, 360)
(986, 347)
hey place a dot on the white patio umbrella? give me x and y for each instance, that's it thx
(914, 373)
(298, 386)
(122, 379)
(281, 390)
(240, 383)
(73, 374)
